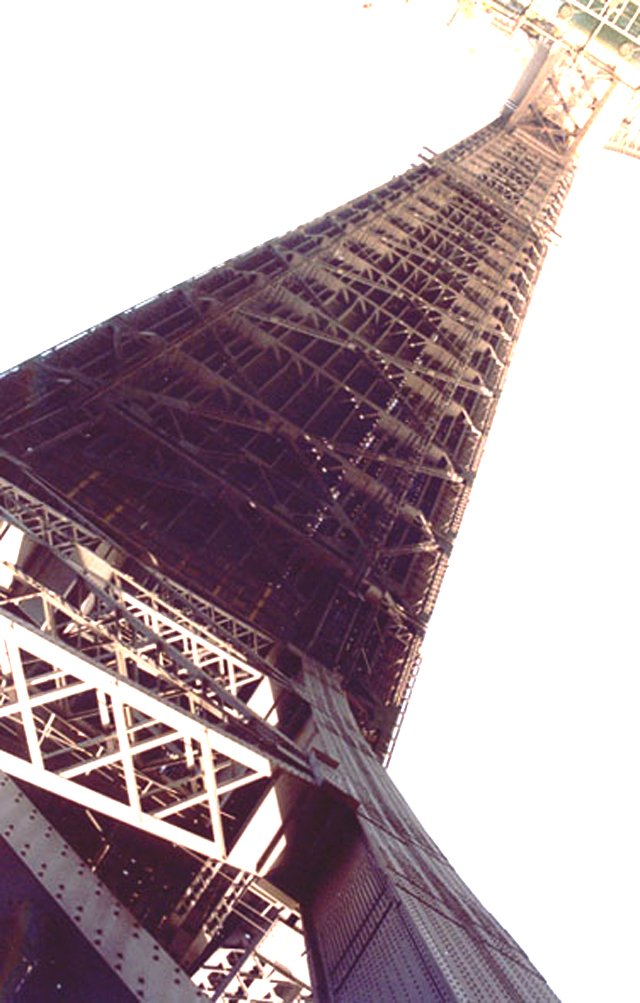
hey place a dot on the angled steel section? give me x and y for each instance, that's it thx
(567, 94)
(227, 514)
(116, 702)
(387, 340)
(135, 958)
(133, 725)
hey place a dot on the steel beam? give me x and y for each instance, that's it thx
(135, 957)
(228, 512)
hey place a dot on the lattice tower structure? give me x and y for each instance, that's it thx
(226, 517)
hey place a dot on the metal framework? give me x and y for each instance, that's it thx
(226, 517)
(616, 21)
(626, 138)
(137, 960)
(134, 696)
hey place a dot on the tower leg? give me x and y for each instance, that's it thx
(385, 915)
(364, 944)
(63, 933)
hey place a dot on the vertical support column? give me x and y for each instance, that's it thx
(385, 915)
(363, 944)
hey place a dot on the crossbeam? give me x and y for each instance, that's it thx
(120, 703)
(70, 537)
(138, 795)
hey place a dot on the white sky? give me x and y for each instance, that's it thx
(145, 142)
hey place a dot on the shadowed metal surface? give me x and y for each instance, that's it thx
(227, 514)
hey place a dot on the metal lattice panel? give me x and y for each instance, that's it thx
(112, 692)
(226, 514)
(311, 414)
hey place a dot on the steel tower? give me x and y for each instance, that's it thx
(226, 517)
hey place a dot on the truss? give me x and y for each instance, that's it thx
(313, 414)
(226, 515)
(121, 704)
(569, 93)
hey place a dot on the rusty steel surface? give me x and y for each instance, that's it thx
(226, 514)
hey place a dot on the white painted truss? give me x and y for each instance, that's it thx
(117, 701)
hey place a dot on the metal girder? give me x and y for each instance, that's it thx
(122, 707)
(464, 322)
(71, 539)
(133, 955)
(397, 426)
(481, 231)
(336, 448)
(481, 204)
(362, 357)
(296, 364)
(191, 459)
(463, 327)
(250, 945)
(251, 975)
(362, 404)
(270, 421)
(129, 609)
(570, 91)
(101, 620)
(41, 677)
